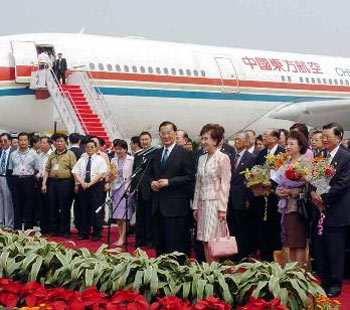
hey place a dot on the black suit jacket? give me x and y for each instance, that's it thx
(261, 158)
(77, 151)
(8, 172)
(144, 190)
(173, 200)
(63, 67)
(337, 200)
(239, 193)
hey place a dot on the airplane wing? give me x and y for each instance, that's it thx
(315, 113)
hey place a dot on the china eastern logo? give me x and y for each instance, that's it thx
(342, 71)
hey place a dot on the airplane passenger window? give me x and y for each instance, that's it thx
(319, 81)
(347, 82)
(289, 79)
(341, 82)
(118, 68)
(301, 79)
(158, 70)
(188, 72)
(195, 72)
(101, 66)
(307, 80)
(324, 81)
(181, 72)
(126, 68)
(165, 70)
(142, 69)
(150, 70)
(203, 73)
(330, 82)
(109, 67)
(313, 80)
(335, 81)
(173, 71)
(134, 69)
(91, 66)
(282, 78)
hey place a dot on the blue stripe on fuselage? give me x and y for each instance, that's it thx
(137, 92)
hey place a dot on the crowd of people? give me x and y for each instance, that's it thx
(181, 195)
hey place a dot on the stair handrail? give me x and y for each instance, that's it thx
(61, 100)
(98, 103)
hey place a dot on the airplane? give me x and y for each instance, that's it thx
(145, 82)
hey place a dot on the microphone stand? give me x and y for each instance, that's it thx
(109, 202)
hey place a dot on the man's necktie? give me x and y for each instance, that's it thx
(235, 162)
(329, 158)
(88, 171)
(3, 163)
(165, 157)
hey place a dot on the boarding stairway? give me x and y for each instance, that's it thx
(82, 107)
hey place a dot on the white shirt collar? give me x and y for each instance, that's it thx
(332, 154)
(273, 150)
(251, 149)
(74, 145)
(170, 148)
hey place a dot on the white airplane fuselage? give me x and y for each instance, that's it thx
(146, 82)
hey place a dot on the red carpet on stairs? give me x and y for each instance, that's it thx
(94, 245)
(89, 120)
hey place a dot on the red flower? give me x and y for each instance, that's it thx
(329, 171)
(211, 303)
(170, 303)
(128, 300)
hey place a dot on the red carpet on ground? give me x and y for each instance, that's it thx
(94, 245)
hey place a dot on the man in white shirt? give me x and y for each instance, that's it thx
(88, 174)
(43, 60)
(40, 198)
(6, 206)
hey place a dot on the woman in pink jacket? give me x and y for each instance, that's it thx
(212, 186)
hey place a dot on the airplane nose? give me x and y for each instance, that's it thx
(292, 112)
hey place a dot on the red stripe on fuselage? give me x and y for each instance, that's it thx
(8, 74)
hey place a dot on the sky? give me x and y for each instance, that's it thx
(306, 26)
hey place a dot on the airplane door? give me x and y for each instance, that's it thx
(229, 82)
(26, 60)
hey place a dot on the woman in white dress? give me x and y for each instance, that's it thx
(212, 186)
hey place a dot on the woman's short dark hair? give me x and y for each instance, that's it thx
(216, 132)
(34, 139)
(302, 141)
(285, 131)
(136, 140)
(302, 128)
(259, 138)
(121, 143)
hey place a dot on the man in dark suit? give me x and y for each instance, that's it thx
(6, 206)
(75, 141)
(268, 231)
(238, 215)
(172, 174)
(330, 246)
(60, 68)
(142, 198)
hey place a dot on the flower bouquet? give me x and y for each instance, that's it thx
(274, 162)
(321, 174)
(112, 173)
(258, 180)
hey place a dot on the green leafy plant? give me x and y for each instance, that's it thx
(28, 257)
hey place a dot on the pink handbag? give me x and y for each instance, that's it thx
(225, 245)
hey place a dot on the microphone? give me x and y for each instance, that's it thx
(148, 151)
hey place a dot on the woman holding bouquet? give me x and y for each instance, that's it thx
(212, 186)
(291, 182)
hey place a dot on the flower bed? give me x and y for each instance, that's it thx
(31, 258)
